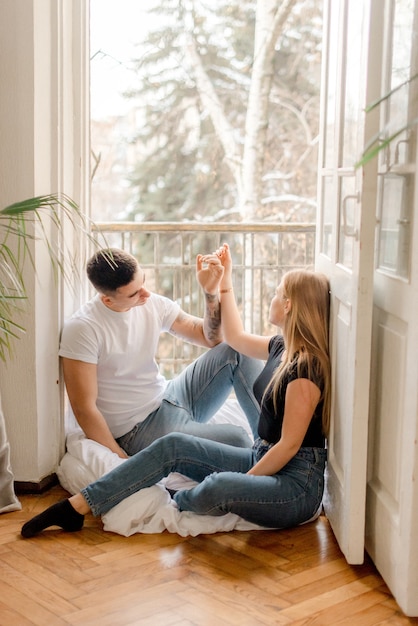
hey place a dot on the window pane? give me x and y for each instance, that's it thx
(394, 226)
(332, 64)
(352, 102)
(398, 111)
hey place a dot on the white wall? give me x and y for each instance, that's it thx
(44, 149)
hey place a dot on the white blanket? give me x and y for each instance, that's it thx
(150, 510)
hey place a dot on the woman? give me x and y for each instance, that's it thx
(279, 482)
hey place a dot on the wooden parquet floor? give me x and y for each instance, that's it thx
(96, 578)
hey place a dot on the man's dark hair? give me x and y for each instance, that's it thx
(111, 268)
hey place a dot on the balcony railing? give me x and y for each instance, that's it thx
(261, 252)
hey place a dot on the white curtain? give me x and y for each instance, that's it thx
(8, 499)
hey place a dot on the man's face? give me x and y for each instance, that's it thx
(130, 295)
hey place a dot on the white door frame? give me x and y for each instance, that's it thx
(345, 252)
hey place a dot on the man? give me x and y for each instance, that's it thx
(117, 393)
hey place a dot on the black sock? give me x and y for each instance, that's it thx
(60, 514)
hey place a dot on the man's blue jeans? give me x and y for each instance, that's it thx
(194, 396)
(288, 498)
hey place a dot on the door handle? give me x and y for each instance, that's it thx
(349, 231)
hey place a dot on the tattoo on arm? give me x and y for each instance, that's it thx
(206, 332)
(188, 327)
(212, 318)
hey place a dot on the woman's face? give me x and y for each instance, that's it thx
(279, 307)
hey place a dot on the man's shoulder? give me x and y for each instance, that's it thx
(163, 309)
(81, 334)
(87, 315)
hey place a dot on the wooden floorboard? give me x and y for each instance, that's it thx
(255, 578)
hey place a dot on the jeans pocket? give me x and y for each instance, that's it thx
(126, 440)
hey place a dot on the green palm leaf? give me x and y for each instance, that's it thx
(379, 141)
(20, 224)
(377, 144)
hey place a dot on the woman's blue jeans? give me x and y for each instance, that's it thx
(288, 498)
(194, 396)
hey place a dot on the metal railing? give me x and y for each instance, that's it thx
(166, 251)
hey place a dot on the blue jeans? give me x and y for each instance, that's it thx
(194, 396)
(288, 498)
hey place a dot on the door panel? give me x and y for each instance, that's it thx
(345, 252)
(367, 242)
(392, 491)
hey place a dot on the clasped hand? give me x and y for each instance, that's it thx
(210, 269)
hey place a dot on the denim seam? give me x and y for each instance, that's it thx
(228, 503)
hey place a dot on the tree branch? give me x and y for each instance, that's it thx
(211, 102)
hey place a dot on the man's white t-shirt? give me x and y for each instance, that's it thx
(123, 346)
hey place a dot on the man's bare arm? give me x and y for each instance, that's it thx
(81, 384)
(192, 329)
(209, 276)
(212, 327)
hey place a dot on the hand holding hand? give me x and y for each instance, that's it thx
(209, 272)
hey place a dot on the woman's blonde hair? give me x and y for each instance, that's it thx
(306, 332)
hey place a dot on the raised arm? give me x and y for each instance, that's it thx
(81, 384)
(209, 277)
(205, 332)
(233, 329)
